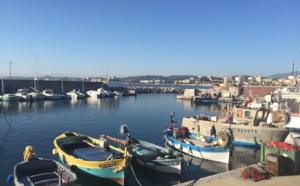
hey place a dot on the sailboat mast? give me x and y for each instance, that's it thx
(36, 76)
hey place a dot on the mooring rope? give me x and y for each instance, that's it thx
(6, 120)
(135, 175)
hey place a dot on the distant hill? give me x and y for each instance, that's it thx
(145, 77)
(282, 75)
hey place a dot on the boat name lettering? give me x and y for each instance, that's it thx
(244, 130)
(106, 165)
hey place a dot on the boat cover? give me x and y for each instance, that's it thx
(92, 154)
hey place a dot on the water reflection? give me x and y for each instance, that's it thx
(241, 157)
(195, 168)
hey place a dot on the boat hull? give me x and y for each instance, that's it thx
(156, 158)
(106, 173)
(9, 97)
(171, 167)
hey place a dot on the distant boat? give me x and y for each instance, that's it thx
(9, 97)
(118, 93)
(36, 94)
(109, 93)
(23, 94)
(76, 94)
(50, 95)
(99, 93)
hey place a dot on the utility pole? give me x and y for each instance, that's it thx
(10, 69)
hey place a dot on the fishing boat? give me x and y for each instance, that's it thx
(36, 171)
(189, 143)
(92, 156)
(245, 125)
(156, 157)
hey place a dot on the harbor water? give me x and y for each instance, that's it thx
(146, 116)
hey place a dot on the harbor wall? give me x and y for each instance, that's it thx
(259, 91)
(11, 86)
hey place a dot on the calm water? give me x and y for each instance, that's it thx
(146, 115)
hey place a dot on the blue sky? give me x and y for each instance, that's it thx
(95, 38)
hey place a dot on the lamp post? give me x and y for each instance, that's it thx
(10, 69)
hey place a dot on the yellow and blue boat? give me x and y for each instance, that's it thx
(91, 156)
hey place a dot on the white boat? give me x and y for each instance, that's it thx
(65, 96)
(76, 94)
(109, 93)
(118, 93)
(188, 143)
(49, 95)
(9, 97)
(23, 94)
(96, 93)
(36, 94)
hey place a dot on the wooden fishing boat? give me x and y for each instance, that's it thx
(247, 126)
(156, 157)
(36, 171)
(186, 142)
(92, 156)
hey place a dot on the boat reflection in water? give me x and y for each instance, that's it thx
(242, 157)
(197, 168)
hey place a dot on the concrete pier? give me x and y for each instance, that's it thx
(234, 178)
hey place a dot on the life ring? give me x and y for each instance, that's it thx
(223, 139)
(280, 116)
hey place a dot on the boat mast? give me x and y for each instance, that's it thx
(36, 76)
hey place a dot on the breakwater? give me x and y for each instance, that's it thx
(11, 86)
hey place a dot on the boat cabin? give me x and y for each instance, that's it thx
(250, 116)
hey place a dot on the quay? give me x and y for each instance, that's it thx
(234, 178)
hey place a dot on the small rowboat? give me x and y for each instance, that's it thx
(156, 157)
(36, 171)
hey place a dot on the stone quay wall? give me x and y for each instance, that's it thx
(259, 91)
(11, 86)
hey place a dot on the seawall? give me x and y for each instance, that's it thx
(11, 86)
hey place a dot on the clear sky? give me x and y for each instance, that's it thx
(95, 38)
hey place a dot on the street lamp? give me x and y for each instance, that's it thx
(10, 69)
